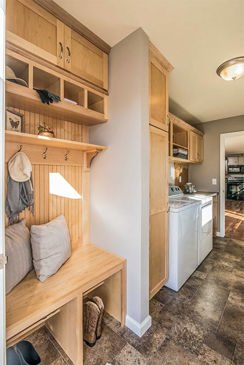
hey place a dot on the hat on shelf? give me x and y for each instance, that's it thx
(10, 75)
(19, 167)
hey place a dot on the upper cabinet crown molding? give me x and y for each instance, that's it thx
(38, 31)
(157, 54)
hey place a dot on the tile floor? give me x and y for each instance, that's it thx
(234, 219)
(202, 324)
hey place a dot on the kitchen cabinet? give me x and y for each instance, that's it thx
(84, 59)
(32, 28)
(158, 251)
(196, 147)
(159, 69)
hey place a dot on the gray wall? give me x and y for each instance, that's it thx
(201, 175)
(120, 175)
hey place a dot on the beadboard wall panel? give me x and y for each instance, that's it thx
(48, 206)
(62, 129)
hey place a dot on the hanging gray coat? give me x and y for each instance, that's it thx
(20, 194)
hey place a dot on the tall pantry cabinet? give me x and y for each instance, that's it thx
(159, 69)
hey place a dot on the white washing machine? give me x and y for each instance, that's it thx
(183, 237)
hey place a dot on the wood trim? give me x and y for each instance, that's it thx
(161, 59)
(73, 23)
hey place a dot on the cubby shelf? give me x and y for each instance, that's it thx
(31, 139)
(22, 97)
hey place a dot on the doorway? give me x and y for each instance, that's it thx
(232, 185)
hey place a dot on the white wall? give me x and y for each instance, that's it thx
(2, 128)
(120, 176)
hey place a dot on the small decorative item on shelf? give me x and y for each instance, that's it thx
(44, 130)
(14, 121)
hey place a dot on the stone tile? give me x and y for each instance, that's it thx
(199, 274)
(210, 300)
(150, 341)
(221, 344)
(45, 348)
(156, 309)
(171, 353)
(236, 298)
(113, 324)
(129, 356)
(209, 357)
(232, 322)
(206, 265)
(105, 350)
(238, 358)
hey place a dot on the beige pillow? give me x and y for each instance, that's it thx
(50, 244)
(18, 252)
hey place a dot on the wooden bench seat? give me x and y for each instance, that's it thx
(32, 301)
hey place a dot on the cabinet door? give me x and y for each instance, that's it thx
(193, 146)
(199, 148)
(158, 257)
(158, 95)
(34, 29)
(85, 60)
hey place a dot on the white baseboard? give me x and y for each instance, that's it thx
(218, 234)
(138, 328)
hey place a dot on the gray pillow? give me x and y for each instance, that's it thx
(18, 252)
(50, 247)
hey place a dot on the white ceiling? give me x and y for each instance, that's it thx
(234, 143)
(195, 35)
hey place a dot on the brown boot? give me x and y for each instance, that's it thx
(91, 317)
(98, 301)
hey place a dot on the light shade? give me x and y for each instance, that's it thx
(232, 69)
(59, 186)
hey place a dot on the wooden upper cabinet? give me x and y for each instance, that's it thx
(196, 147)
(159, 69)
(85, 60)
(34, 29)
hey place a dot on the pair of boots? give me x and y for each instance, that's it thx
(93, 316)
(22, 354)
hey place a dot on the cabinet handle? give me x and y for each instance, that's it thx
(61, 51)
(68, 59)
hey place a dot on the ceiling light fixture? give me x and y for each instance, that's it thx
(232, 69)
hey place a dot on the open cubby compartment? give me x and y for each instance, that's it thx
(73, 94)
(95, 102)
(110, 291)
(45, 80)
(180, 137)
(20, 68)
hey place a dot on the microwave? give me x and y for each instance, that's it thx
(236, 169)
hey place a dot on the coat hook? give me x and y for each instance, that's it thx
(44, 154)
(66, 155)
(20, 148)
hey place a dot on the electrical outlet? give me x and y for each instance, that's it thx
(180, 178)
(214, 181)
